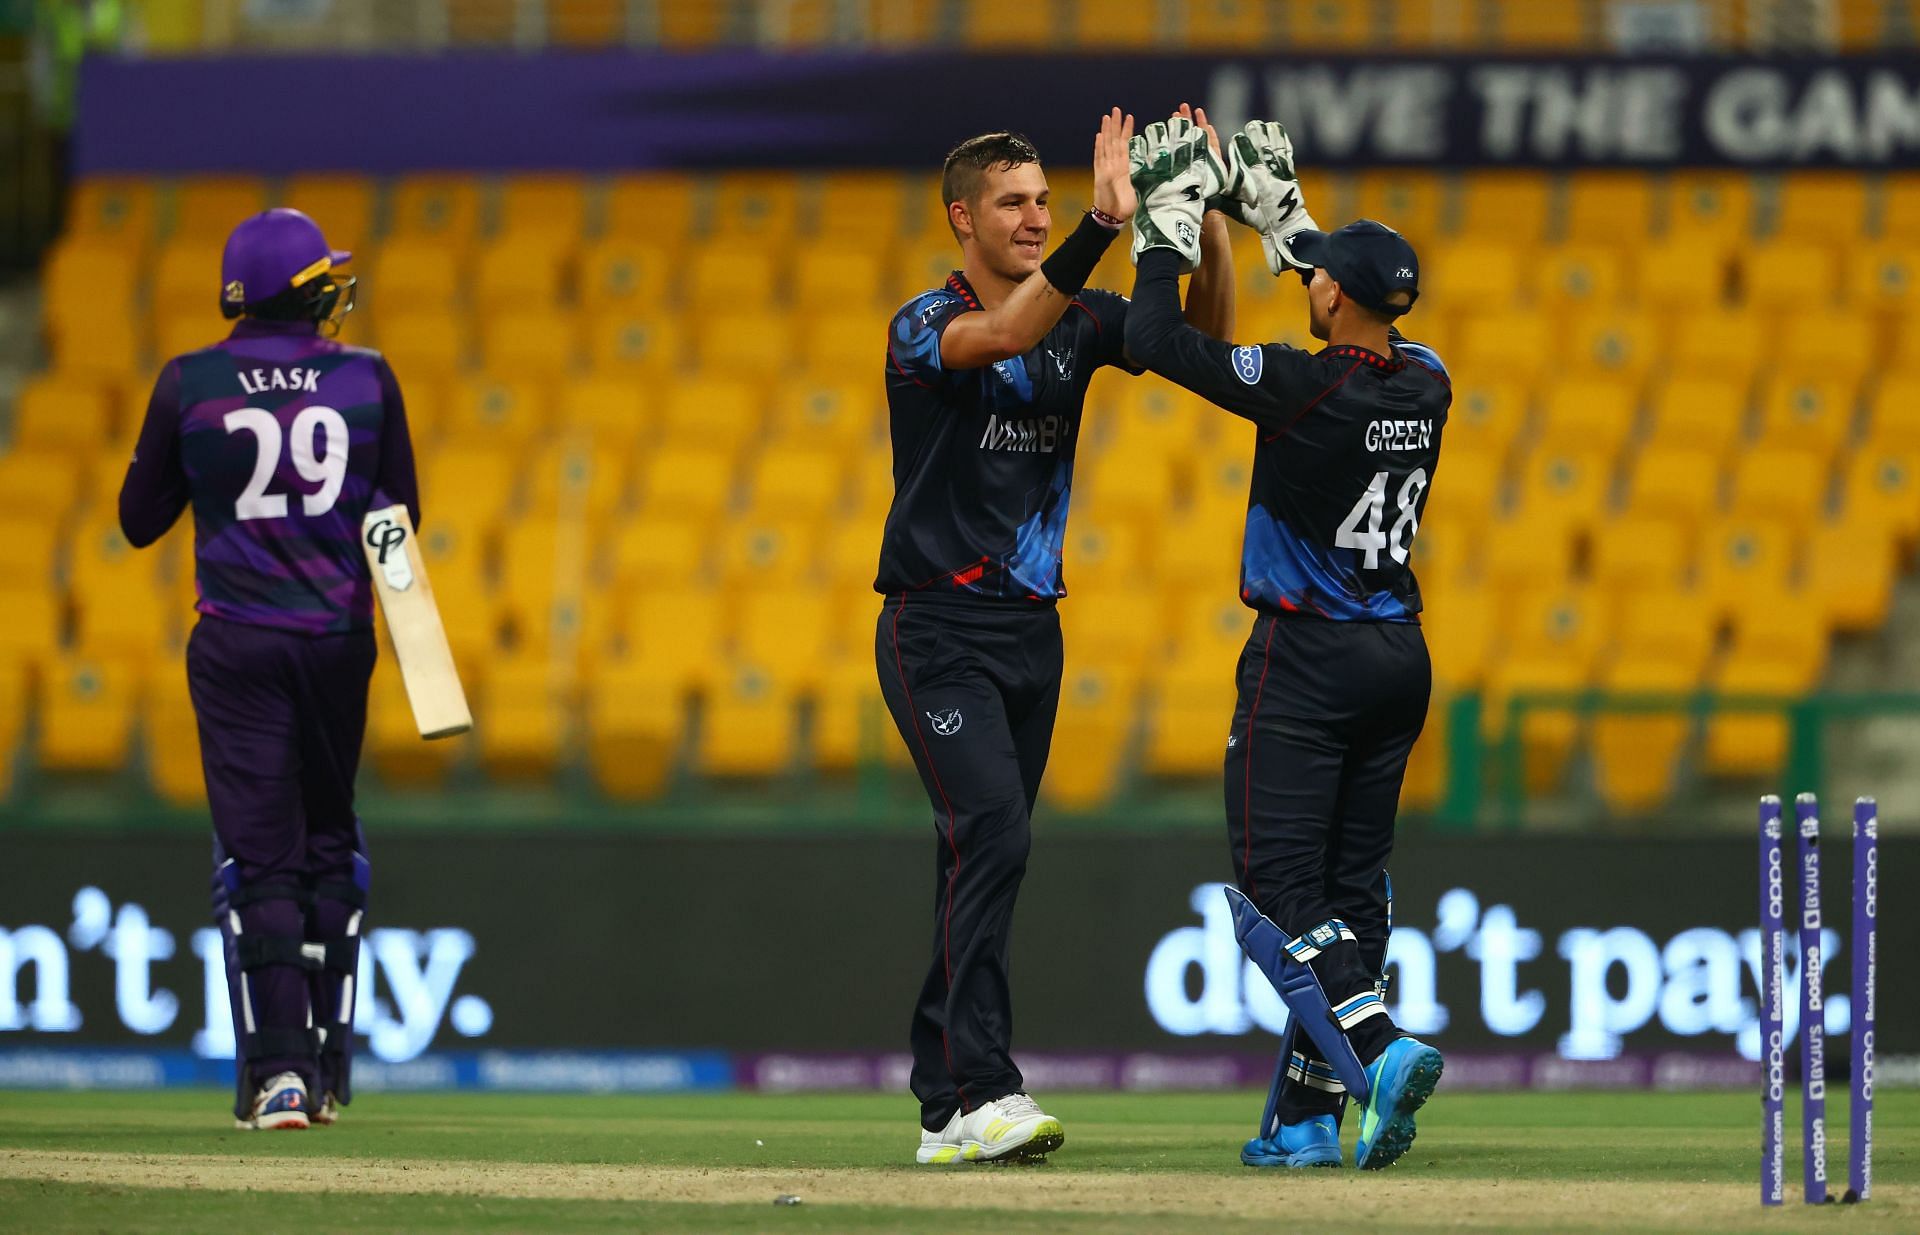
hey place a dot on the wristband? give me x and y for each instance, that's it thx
(1070, 266)
(1104, 219)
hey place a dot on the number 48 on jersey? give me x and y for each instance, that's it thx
(1371, 510)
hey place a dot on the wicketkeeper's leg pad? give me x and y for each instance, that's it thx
(1285, 963)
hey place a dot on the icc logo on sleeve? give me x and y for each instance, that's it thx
(1247, 364)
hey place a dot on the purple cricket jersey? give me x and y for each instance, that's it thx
(281, 440)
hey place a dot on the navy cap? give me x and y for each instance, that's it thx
(1370, 261)
(271, 252)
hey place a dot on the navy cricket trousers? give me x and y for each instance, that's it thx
(973, 686)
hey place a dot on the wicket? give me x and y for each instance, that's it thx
(1812, 1008)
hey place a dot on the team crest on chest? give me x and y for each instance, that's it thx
(1062, 362)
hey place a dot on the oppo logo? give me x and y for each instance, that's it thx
(1776, 882)
(1776, 1067)
(1873, 884)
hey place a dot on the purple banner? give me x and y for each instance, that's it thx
(617, 111)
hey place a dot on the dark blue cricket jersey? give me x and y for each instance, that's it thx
(983, 458)
(1347, 448)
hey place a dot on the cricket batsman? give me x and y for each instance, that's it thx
(1334, 679)
(986, 378)
(280, 438)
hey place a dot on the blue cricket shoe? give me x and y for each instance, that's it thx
(1401, 1081)
(1311, 1142)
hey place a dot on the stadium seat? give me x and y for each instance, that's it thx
(720, 411)
(610, 409)
(523, 271)
(1899, 206)
(1636, 755)
(1508, 207)
(771, 550)
(411, 276)
(849, 279)
(798, 482)
(1884, 277)
(1411, 202)
(1092, 737)
(468, 482)
(520, 718)
(1807, 412)
(1592, 415)
(1517, 555)
(677, 634)
(652, 208)
(212, 206)
(692, 479)
(837, 412)
(1221, 24)
(1112, 626)
(758, 344)
(65, 414)
(343, 206)
(665, 551)
(1456, 275)
(117, 209)
(1545, 736)
(624, 273)
(430, 344)
(789, 629)
(1882, 487)
(1614, 344)
(442, 211)
(1193, 702)
(1845, 350)
(185, 277)
(724, 276)
(1790, 634)
(90, 278)
(31, 636)
(1746, 741)
(851, 727)
(173, 739)
(1791, 274)
(542, 344)
(841, 344)
(28, 543)
(1563, 620)
(392, 745)
(1634, 553)
(1713, 207)
(1608, 208)
(753, 208)
(1119, 487)
(1486, 416)
(1742, 560)
(1780, 482)
(1719, 344)
(1688, 274)
(750, 725)
(1563, 486)
(1460, 634)
(86, 715)
(1529, 25)
(456, 555)
(500, 412)
(1152, 418)
(1706, 414)
(648, 346)
(1818, 208)
(1519, 345)
(856, 206)
(1665, 624)
(1582, 276)
(541, 212)
(1849, 573)
(576, 477)
(1421, 24)
(1893, 413)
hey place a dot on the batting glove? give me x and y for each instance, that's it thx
(1263, 191)
(1174, 171)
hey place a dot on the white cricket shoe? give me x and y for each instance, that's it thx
(281, 1104)
(328, 1112)
(1006, 1128)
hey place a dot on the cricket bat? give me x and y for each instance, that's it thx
(413, 621)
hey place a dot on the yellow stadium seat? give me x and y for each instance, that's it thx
(726, 276)
(173, 739)
(412, 275)
(1610, 343)
(343, 206)
(1636, 755)
(1486, 416)
(1563, 620)
(1885, 277)
(757, 206)
(1565, 485)
(116, 208)
(611, 409)
(31, 634)
(1460, 633)
(1508, 207)
(1709, 206)
(1899, 206)
(1668, 624)
(1704, 413)
(923, 265)
(1608, 208)
(1746, 742)
(1807, 411)
(1005, 24)
(62, 413)
(1105, 553)
(718, 410)
(90, 278)
(1466, 492)
(126, 614)
(850, 722)
(1716, 344)
(655, 208)
(1407, 201)
(665, 551)
(16, 691)
(393, 744)
(749, 726)
(1788, 483)
(1905, 351)
(1546, 735)
(586, 23)
(1330, 23)
(835, 412)
(503, 412)
(1152, 419)
(695, 479)
(1113, 626)
(108, 349)
(1789, 631)
(468, 482)
(1690, 274)
(1117, 487)
(548, 210)
(1092, 738)
(1201, 552)
(1222, 480)
(846, 279)
(754, 343)
(1845, 348)
(1850, 568)
(522, 272)
(186, 276)
(521, 719)
(28, 545)
(848, 552)
(1791, 274)
(1517, 555)
(800, 482)
(837, 343)
(212, 206)
(790, 631)
(577, 476)
(1422, 25)
(86, 715)
(1582, 276)
(619, 272)
(1742, 559)
(764, 549)
(635, 729)
(855, 206)
(1528, 24)
(532, 575)
(1882, 487)
(1639, 553)
(636, 346)
(1893, 413)
(1819, 208)
(1457, 275)
(438, 210)
(540, 344)
(430, 344)
(1596, 415)
(1095, 25)
(1193, 705)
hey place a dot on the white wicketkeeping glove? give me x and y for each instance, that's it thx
(1263, 192)
(1174, 171)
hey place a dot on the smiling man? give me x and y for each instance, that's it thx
(986, 378)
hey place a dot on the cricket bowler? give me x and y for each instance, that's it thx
(1335, 677)
(986, 378)
(280, 438)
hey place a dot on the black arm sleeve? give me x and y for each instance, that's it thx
(1270, 384)
(155, 489)
(396, 478)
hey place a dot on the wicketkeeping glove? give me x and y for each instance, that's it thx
(1263, 191)
(1174, 171)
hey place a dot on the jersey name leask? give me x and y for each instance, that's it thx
(255, 381)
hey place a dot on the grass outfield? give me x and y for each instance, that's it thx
(171, 1161)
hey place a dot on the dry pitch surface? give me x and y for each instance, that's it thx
(1569, 1162)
